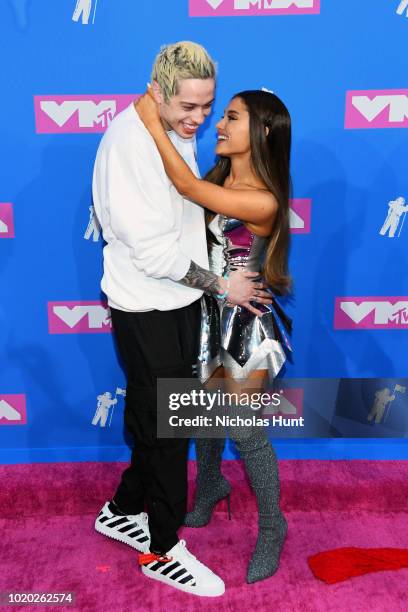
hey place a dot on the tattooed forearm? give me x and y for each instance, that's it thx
(200, 278)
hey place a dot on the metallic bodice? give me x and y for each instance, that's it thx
(239, 247)
(231, 335)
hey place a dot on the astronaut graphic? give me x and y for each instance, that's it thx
(396, 208)
(382, 402)
(105, 406)
(83, 8)
(403, 6)
(93, 229)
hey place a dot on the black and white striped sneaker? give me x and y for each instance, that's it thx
(132, 529)
(181, 570)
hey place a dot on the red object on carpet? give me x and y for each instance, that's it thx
(340, 564)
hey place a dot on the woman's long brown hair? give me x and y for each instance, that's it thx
(270, 157)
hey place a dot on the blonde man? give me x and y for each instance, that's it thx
(155, 271)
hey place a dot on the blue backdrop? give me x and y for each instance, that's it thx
(340, 67)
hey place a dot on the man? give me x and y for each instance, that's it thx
(155, 271)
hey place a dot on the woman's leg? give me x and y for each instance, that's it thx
(262, 469)
(211, 484)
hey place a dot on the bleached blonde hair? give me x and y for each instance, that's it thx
(178, 61)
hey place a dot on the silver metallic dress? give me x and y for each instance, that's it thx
(231, 335)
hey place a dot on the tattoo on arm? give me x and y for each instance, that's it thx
(200, 278)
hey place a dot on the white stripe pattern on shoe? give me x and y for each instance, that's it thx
(131, 529)
(184, 572)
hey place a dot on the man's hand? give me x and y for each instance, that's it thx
(148, 110)
(243, 289)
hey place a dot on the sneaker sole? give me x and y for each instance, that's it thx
(176, 585)
(143, 548)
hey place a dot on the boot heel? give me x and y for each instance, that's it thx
(229, 506)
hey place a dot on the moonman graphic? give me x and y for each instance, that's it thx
(382, 398)
(3, 227)
(105, 402)
(83, 7)
(93, 229)
(403, 5)
(395, 209)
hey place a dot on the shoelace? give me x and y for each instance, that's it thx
(188, 554)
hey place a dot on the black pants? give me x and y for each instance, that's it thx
(152, 345)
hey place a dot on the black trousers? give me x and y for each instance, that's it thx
(152, 345)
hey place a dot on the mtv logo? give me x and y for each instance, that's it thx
(371, 313)
(233, 8)
(77, 114)
(373, 109)
(300, 216)
(6, 220)
(78, 318)
(13, 410)
(291, 404)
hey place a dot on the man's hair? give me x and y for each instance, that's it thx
(178, 61)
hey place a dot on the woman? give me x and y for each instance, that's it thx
(247, 193)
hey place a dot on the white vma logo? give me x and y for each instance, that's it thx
(105, 406)
(384, 312)
(93, 229)
(403, 6)
(370, 109)
(98, 316)
(382, 402)
(396, 210)
(89, 113)
(8, 412)
(83, 10)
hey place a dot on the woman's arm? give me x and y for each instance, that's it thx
(255, 207)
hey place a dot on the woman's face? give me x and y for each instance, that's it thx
(233, 130)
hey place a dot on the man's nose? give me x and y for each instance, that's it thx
(199, 116)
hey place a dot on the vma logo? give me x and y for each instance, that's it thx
(93, 229)
(371, 313)
(373, 109)
(13, 410)
(77, 114)
(403, 8)
(233, 8)
(300, 216)
(291, 404)
(6, 220)
(83, 9)
(397, 209)
(105, 405)
(383, 399)
(78, 318)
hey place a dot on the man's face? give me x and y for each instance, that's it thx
(187, 110)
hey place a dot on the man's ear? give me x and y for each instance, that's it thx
(266, 131)
(157, 94)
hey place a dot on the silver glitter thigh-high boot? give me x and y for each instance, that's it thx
(262, 469)
(211, 484)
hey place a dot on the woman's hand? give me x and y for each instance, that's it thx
(148, 110)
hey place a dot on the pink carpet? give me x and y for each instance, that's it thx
(48, 542)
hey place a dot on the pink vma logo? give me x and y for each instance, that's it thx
(78, 318)
(371, 313)
(242, 8)
(6, 220)
(76, 114)
(13, 410)
(373, 109)
(300, 216)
